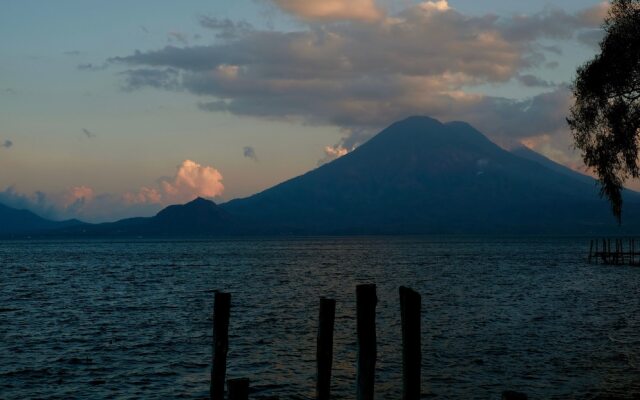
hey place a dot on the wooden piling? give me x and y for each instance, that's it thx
(410, 313)
(238, 389)
(590, 250)
(366, 301)
(221, 311)
(324, 349)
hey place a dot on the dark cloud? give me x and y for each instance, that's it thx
(249, 152)
(551, 23)
(74, 53)
(507, 118)
(533, 81)
(178, 37)
(91, 67)
(167, 79)
(6, 144)
(225, 28)
(88, 133)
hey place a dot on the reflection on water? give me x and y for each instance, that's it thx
(133, 319)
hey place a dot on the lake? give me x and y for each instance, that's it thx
(132, 319)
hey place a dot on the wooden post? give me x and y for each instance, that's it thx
(238, 389)
(324, 349)
(366, 301)
(590, 250)
(609, 245)
(604, 251)
(410, 308)
(221, 311)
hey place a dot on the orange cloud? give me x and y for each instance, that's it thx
(332, 10)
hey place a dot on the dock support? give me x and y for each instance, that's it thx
(324, 350)
(366, 301)
(238, 389)
(221, 311)
(410, 313)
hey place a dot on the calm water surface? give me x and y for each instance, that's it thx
(132, 319)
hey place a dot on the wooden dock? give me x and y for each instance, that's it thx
(616, 251)
(364, 385)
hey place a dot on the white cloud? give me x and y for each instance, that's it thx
(190, 181)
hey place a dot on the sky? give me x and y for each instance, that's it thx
(117, 109)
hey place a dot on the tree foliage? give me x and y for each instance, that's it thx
(605, 118)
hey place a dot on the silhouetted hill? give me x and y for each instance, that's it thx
(198, 217)
(422, 176)
(14, 221)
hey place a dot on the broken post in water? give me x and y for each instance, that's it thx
(221, 310)
(366, 301)
(324, 350)
(410, 309)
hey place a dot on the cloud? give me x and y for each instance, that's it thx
(190, 181)
(167, 79)
(332, 10)
(7, 144)
(332, 152)
(225, 29)
(88, 133)
(362, 73)
(73, 53)
(91, 67)
(178, 37)
(9, 91)
(249, 152)
(533, 81)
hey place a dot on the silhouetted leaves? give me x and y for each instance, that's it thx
(605, 118)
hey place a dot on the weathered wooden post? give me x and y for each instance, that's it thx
(366, 301)
(324, 349)
(238, 389)
(512, 395)
(221, 311)
(590, 250)
(410, 313)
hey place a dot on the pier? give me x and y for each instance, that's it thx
(616, 251)
(364, 383)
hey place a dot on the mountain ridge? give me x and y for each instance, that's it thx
(416, 176)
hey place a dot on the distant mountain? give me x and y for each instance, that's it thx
(198, 217)
(422, 176)
(14, 221)
(416, 176)
(527, 153)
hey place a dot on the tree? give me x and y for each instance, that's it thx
(605, 118)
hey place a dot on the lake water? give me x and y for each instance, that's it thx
(132, 319)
